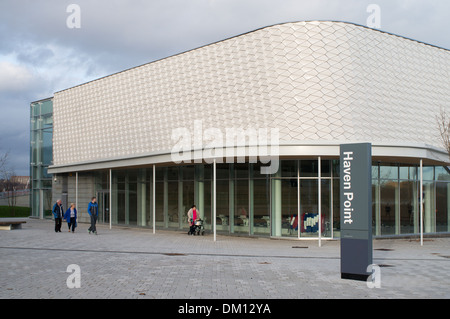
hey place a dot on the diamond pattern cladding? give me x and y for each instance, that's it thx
(315, 81)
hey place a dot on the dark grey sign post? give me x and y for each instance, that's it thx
(356, 210)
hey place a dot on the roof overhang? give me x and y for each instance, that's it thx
(381, 152)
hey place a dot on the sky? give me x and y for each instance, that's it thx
(45, 48)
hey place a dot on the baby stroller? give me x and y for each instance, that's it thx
(197, 228)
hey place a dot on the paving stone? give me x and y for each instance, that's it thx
(129, 263)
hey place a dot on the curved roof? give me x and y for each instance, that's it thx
(317, 82)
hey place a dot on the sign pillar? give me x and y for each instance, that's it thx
(356, 210)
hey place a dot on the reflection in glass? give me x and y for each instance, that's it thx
(408, 207)
(442, 207)
(261, 201)
(388, 206)
(309, 208)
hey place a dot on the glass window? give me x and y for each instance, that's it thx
(336, 207)
(442, 173)
(188, 201)
(46, 107)
(309, 208)
(326, 206)
(241, 170)
(160, 173)
(429, 213)
(172, 173)
(308, 168)
(159, 203)
(388, 205)
(442, 207)
(375, 170)
(375, 207)
(132, 202)
(207, 204)
(325, 168)
(408, 172)
(288, 217)
(188, 173)
(222, 202)
(336, 168)
(388, 172)
(119, 208)
(222, 171)
(408, 207)
(207, 172)
(41, 150)
(289, 168)
(261, 210)
(428, 173)
(241, 213)
(172, 205)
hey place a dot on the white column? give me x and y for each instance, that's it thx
(153, 198)
(397, 207)
(180, 198)
(319, 190)
(127, 199)
(298, 202)
(448, 207)
(110, 198)
(421, 202)
(76, 191)
(141, 197)
(276, 206)
(214, 199)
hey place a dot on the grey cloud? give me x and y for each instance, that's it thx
(116, 35)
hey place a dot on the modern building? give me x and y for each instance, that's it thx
(41, 132)
(193, 128)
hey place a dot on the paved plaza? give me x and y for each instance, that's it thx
(135, 263)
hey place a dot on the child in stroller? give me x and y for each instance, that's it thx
(196, 228)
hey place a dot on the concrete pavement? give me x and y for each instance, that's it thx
(132, 263)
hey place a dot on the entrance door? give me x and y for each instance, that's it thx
(103, 206)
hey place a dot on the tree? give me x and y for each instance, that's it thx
(8, 182)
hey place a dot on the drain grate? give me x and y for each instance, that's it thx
(302, 247)
(385, 266)
(384, 249)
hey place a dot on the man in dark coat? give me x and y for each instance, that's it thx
(58, 212)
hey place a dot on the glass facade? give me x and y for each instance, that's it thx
(285, 204)
(396, 199)
(41, 150)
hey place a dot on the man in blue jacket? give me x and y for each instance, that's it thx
(93, 212)
(58, 212)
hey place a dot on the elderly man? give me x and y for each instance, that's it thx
(58, 212)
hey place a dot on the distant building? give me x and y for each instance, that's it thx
(41, 134)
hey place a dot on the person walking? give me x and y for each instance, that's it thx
(58, 212)
(93, 212)
(71, 217)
